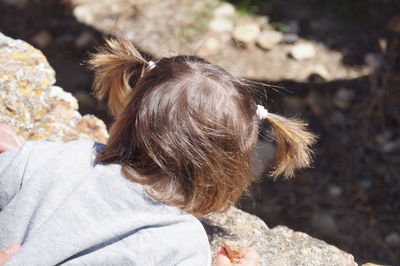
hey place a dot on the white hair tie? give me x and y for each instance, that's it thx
(151, 65)
(262, 113)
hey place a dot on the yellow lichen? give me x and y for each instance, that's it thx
(27, 63)
(19, 56)
(21, 117)
(44, 83)
(24, 90)
(36, 137)
(38, 93)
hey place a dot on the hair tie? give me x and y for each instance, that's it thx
(262, 113)
(151, 65)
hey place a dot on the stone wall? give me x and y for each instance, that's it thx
(39, 110)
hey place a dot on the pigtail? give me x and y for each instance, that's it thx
(114, 65)
(293, 144)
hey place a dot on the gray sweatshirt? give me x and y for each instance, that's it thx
(64, 208)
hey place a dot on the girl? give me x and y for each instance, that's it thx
(180, 148)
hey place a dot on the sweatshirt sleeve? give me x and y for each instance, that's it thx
(12, 168)
(183, 244)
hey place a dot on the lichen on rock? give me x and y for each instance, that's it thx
(32, 104)
(277, 246)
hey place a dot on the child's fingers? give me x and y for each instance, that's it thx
(251, 258)
(222, 258)
(8, 138)
(8, 253)
(13, 249)
(21, 140)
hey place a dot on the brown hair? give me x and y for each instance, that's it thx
(186, 128)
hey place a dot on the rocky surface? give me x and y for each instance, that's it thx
(39, 110)
(217, 31)
(33, 105)
(278, 246)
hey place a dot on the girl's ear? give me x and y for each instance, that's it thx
(114, 64)
(293, 144)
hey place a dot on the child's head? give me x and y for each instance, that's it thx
(186, 128)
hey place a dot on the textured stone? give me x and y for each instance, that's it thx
(278, 246)
(374, 60)
(292, 26)
(290, 38)
(393, 239)
(221, 24)
(32, 105)
(303, 51)
(225, 10)
(159, 29)
(324, 223)
(210, 47)
(246, 33)
(343, 98)
(269, 39)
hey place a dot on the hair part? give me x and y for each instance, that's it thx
(186, 129)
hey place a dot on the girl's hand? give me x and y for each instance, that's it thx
(6, 254)
(251, 258)
(8, 139)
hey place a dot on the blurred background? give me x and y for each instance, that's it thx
(333, 63)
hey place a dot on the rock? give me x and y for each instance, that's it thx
(35, 108)
(391, 146)
(225, 10)
(324, 223)
(303, 51)
(269, 39)
(383, 137)
(39, 110)
(169, 27)
(365, 183)
(210, 47)
(292, 26)
(394, 24)
(221, 24)
(393, 239)
(335, 190)
(42, 39)
(246, 33)
(290, 38)
(84, 12)
(375, 61)
(343, 98)
(278, 246)
(263, 22)
(319, 74)
(84, 39)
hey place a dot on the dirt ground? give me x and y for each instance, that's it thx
(351, 196)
